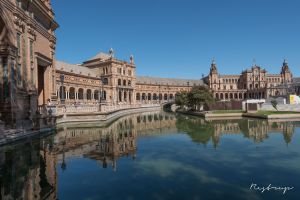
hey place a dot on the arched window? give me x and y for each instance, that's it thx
(129, 96)
(80, 93)
(231, 96)
(129, 83)
(226, 96)
(120, 96)
(89, 94)
(105, 81)
(221, 96)
(119, 81)
(217, 96)
(149, 96)
(96, 95)
(103, 95)
(124, 82)
(138, 96)
(154, 96)
(125, 96)
(165, 97)
(240, 95)
(72, 93)
(235, 95)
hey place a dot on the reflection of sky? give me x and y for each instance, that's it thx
(175, 167)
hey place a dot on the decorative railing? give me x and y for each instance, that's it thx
(47, 110)
(69, 109)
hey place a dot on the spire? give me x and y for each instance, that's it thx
(111, 52)
(213, 62)
(131, 59)
(254, 62)
(285, 66)
(285, 63)
(213, 67)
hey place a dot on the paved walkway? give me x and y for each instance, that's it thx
(8, 135)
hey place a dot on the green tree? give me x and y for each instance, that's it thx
(181, 99)
(199, 96)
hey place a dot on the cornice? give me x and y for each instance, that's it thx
(22, 15)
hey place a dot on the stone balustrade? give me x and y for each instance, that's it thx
(68, 109)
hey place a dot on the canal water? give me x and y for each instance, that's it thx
(156, 155)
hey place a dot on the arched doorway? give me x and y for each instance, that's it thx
(72, 93)
(165, 97)
(149, 96)
(138, 96)
(96, 95)
(89, 94)
(80, 93)
(143, 96)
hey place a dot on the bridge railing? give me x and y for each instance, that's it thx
(98, 108)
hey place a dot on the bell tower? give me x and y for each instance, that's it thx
(286, 75)
(213, 75)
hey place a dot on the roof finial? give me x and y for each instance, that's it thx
(131, 59)
(285, 62)
(111, 52)
(213, 62)
(254, 62)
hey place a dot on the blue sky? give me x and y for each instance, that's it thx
(179, 38)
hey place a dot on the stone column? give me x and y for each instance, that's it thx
(122, 95)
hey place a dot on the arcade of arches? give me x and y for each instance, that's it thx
(113, 83)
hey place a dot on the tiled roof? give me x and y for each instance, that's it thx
(76, 69)
(101, 55)
(167, 81)
(230, 75)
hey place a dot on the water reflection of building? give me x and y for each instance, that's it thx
(257, 130)
(27, 171)
(108, 144)
(203, 131)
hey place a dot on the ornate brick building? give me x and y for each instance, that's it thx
(27, 47)
(106, 80)
(253, 83)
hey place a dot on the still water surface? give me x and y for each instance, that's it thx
(156, 156)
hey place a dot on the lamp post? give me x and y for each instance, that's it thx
(159, 94)
(62, 78)
(101, 90)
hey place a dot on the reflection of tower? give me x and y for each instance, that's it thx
(288, 131)
(119, 141)
(63, 164)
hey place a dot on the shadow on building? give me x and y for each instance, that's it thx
(27, 46)
(27, 170)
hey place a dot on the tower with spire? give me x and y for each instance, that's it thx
(213, 75)
(286, 75)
